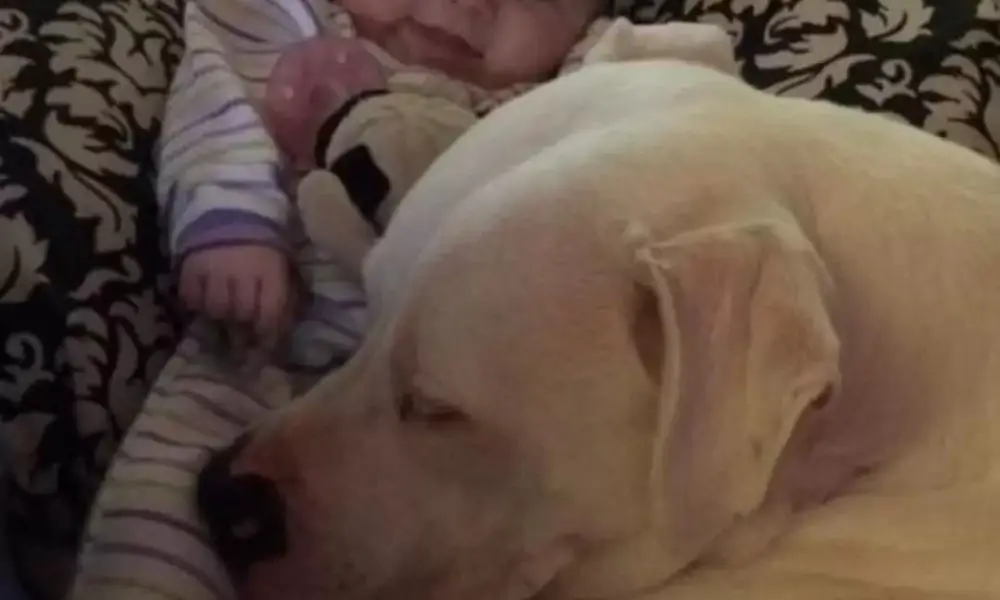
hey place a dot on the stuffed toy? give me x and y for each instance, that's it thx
(376, 147)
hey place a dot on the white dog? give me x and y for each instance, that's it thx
(631, 333)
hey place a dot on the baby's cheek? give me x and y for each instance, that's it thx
(529, 49)
(527, 61)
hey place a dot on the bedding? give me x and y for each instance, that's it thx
(82, 304)
(84, 326)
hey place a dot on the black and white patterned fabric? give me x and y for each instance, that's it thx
(84, 321)
(83, 325)
(932, 63)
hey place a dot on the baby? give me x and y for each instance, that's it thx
(222, 183)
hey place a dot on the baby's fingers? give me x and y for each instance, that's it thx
(191, 289)
(219, 292)
(245, 302)
(273, 304)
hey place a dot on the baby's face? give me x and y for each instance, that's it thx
(491, 43)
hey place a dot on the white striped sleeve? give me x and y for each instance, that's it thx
(219, 176)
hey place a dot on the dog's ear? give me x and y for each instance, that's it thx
(747, 347)
(733, 330)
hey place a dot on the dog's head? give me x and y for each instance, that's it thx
(573, 399)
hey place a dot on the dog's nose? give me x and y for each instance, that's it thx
(244, 513)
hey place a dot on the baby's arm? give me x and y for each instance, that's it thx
(220, 195)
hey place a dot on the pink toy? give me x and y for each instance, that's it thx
(311, 81)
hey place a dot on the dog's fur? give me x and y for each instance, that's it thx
(642, 319)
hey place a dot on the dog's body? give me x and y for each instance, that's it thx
(646, 317)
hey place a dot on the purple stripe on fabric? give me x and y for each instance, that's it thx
(326, 311)
(206, 69)
(161, 518)
(176, 153)
(216, 57)
(215, 114)
(156, 438)
(218, 62)
(177, 562)
(211, 54)
(242, 186)
(205, 402)
(187, 79)
(271, 20)
(173, 463)
(234, 217)
(228, 235)
(281, 7)
(239, 386)
(316, 21)
(319, 22)
(229, 27)
(233, 177)
(353, 337)
(225, 227)
(170, 201)
(200, 72)
(227, 244)
(237, 229)
(217, 408)
(262, 80)
(263, 48)
(235, 384)
(324, 305)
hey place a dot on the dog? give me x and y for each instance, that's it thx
(633, 336)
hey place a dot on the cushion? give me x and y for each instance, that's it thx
(84, 327)
(932, 63)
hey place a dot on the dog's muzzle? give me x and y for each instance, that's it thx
(244, 513)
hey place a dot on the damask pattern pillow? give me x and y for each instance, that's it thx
(932, 63)
(82, 327)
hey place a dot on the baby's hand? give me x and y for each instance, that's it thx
(245, 285)
(311, 81)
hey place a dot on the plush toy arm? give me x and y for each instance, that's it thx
(332, 222)
(432, 85)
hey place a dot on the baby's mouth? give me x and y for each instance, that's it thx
(445, 42)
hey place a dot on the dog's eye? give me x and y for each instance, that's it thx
(418, 409)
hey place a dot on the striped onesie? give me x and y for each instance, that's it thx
(221, 179)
